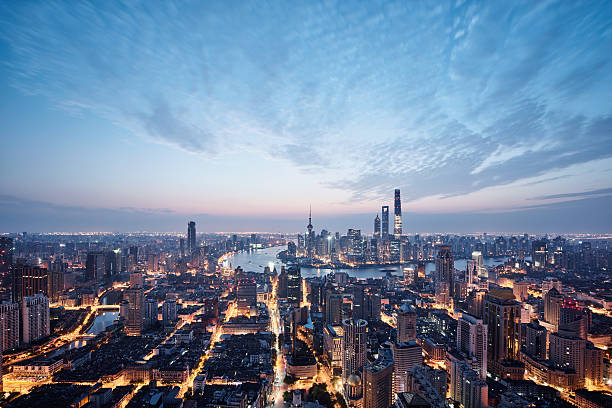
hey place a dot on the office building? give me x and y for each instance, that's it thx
(429, 384)
(281, 290)
(568, 352)
(472, 340)
(169, 312)
(191, 237)
(406, 355)
(134, 320)
(333, 308)
(572, 320)
(29, 280)
(378, 381)
(385, 221)
(466, 387)
(444, 277)
(553, 301)
(246, 295)
(35, 322)
(406, 323)
(9, 325)
(57, 269)
(502, 317)
(397, 222)
(534, 340)
(95, 266)
(366, 303)
(353, 347)
(539, 254)
(294, 285)
(150, 313)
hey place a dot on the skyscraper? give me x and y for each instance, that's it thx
(406, 323)
(378, 381)
(95, 266)
(281, 291)
(553, 300)
(191, 237)
(385, 221)
(568, 351)
(29, 280)
(169, 312)
(466, 388)
(150, 313)
(445, 274)
(502, 315)
(539, 253)
(56, 279)
(294, 285)
(534, 340)
(9, 325)
(333, 308)
(134, 321)
(405, 356)
(34, 318)
(353, 347)
(397, 223)
(377, 226)
(472, 340)
(246, 295)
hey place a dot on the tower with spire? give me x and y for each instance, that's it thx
(310, 239)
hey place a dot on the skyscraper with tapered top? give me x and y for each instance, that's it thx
(397, 222)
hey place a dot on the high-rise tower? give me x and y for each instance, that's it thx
(406, 323)
(377, 226)
(397, 223)
(294, 285)
(472, 340)
(502, 317)
(385, 221)
(353, 347)
(445, 274)
(191, 237)
(310, 239)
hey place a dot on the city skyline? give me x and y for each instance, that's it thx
(487, 118)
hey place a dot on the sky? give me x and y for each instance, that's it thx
(141, 115)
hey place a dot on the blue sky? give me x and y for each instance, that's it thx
(481, 112)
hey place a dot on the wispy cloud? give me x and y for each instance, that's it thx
(599, 192)
(376, 94)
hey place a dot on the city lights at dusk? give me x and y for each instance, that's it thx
(307, 204)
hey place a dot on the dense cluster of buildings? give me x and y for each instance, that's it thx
(87, 318)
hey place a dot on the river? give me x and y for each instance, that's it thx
(102, 321)
(256, 260)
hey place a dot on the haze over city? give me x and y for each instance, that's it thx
(135, 117)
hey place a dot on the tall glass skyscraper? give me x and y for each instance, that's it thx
(191, 237)
(385, 221)
(397, 225)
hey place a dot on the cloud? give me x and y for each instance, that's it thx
(601, 191)
(372, 95)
